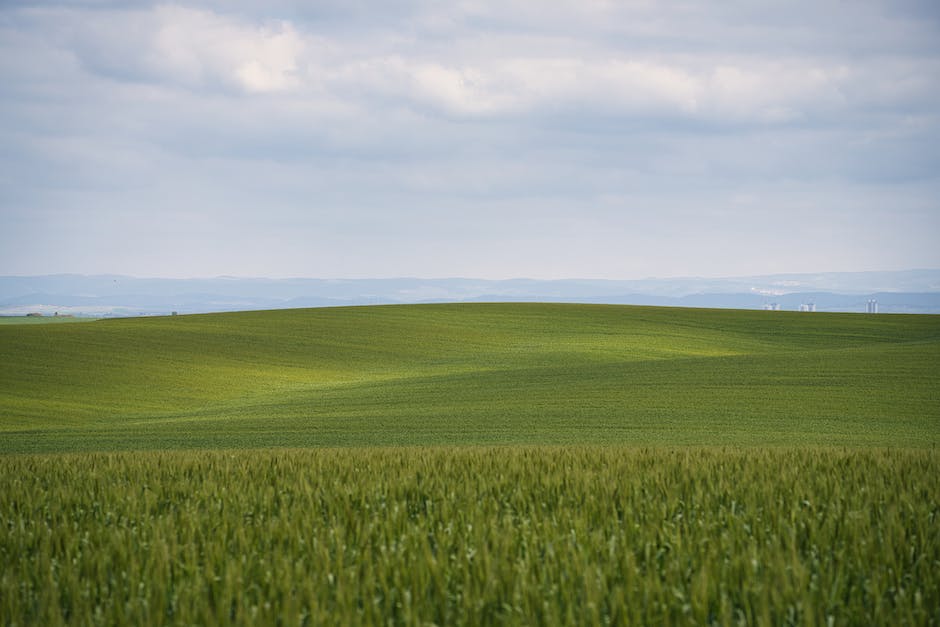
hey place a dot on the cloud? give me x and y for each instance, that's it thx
(510, 73)
(654, 133)
(191, 48)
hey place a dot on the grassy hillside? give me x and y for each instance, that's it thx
(472, 536)
(471, 374)
(812, 499)
(5, 320)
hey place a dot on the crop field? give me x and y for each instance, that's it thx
(471, 374)
(545, 535)
(472, 464)
(4, 320)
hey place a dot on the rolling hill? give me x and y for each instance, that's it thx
(908, 291)
(561, 464)
(457, 374)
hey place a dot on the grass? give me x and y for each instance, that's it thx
(471, 375)
(472, 464)
(471, 536)
(5, 320)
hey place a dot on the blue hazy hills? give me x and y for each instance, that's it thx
(911, 291)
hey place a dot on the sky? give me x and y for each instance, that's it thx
(559, 139)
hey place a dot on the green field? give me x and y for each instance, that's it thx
(41, 319)
(471, 536)
(471, 374)
(472, 464)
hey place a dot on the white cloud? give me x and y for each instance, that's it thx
(760, 91)
(645, 126)
(189, 47)
(603, 64)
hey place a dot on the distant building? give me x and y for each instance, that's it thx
(772, 307)
(872, 306)
(808, 307)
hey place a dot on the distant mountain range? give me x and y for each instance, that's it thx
(911, 291)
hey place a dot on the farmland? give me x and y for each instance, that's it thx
(5, 320)
(550, 535)
(472, 464)
(471, 374)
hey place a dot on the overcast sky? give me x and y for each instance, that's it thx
(543, 139)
